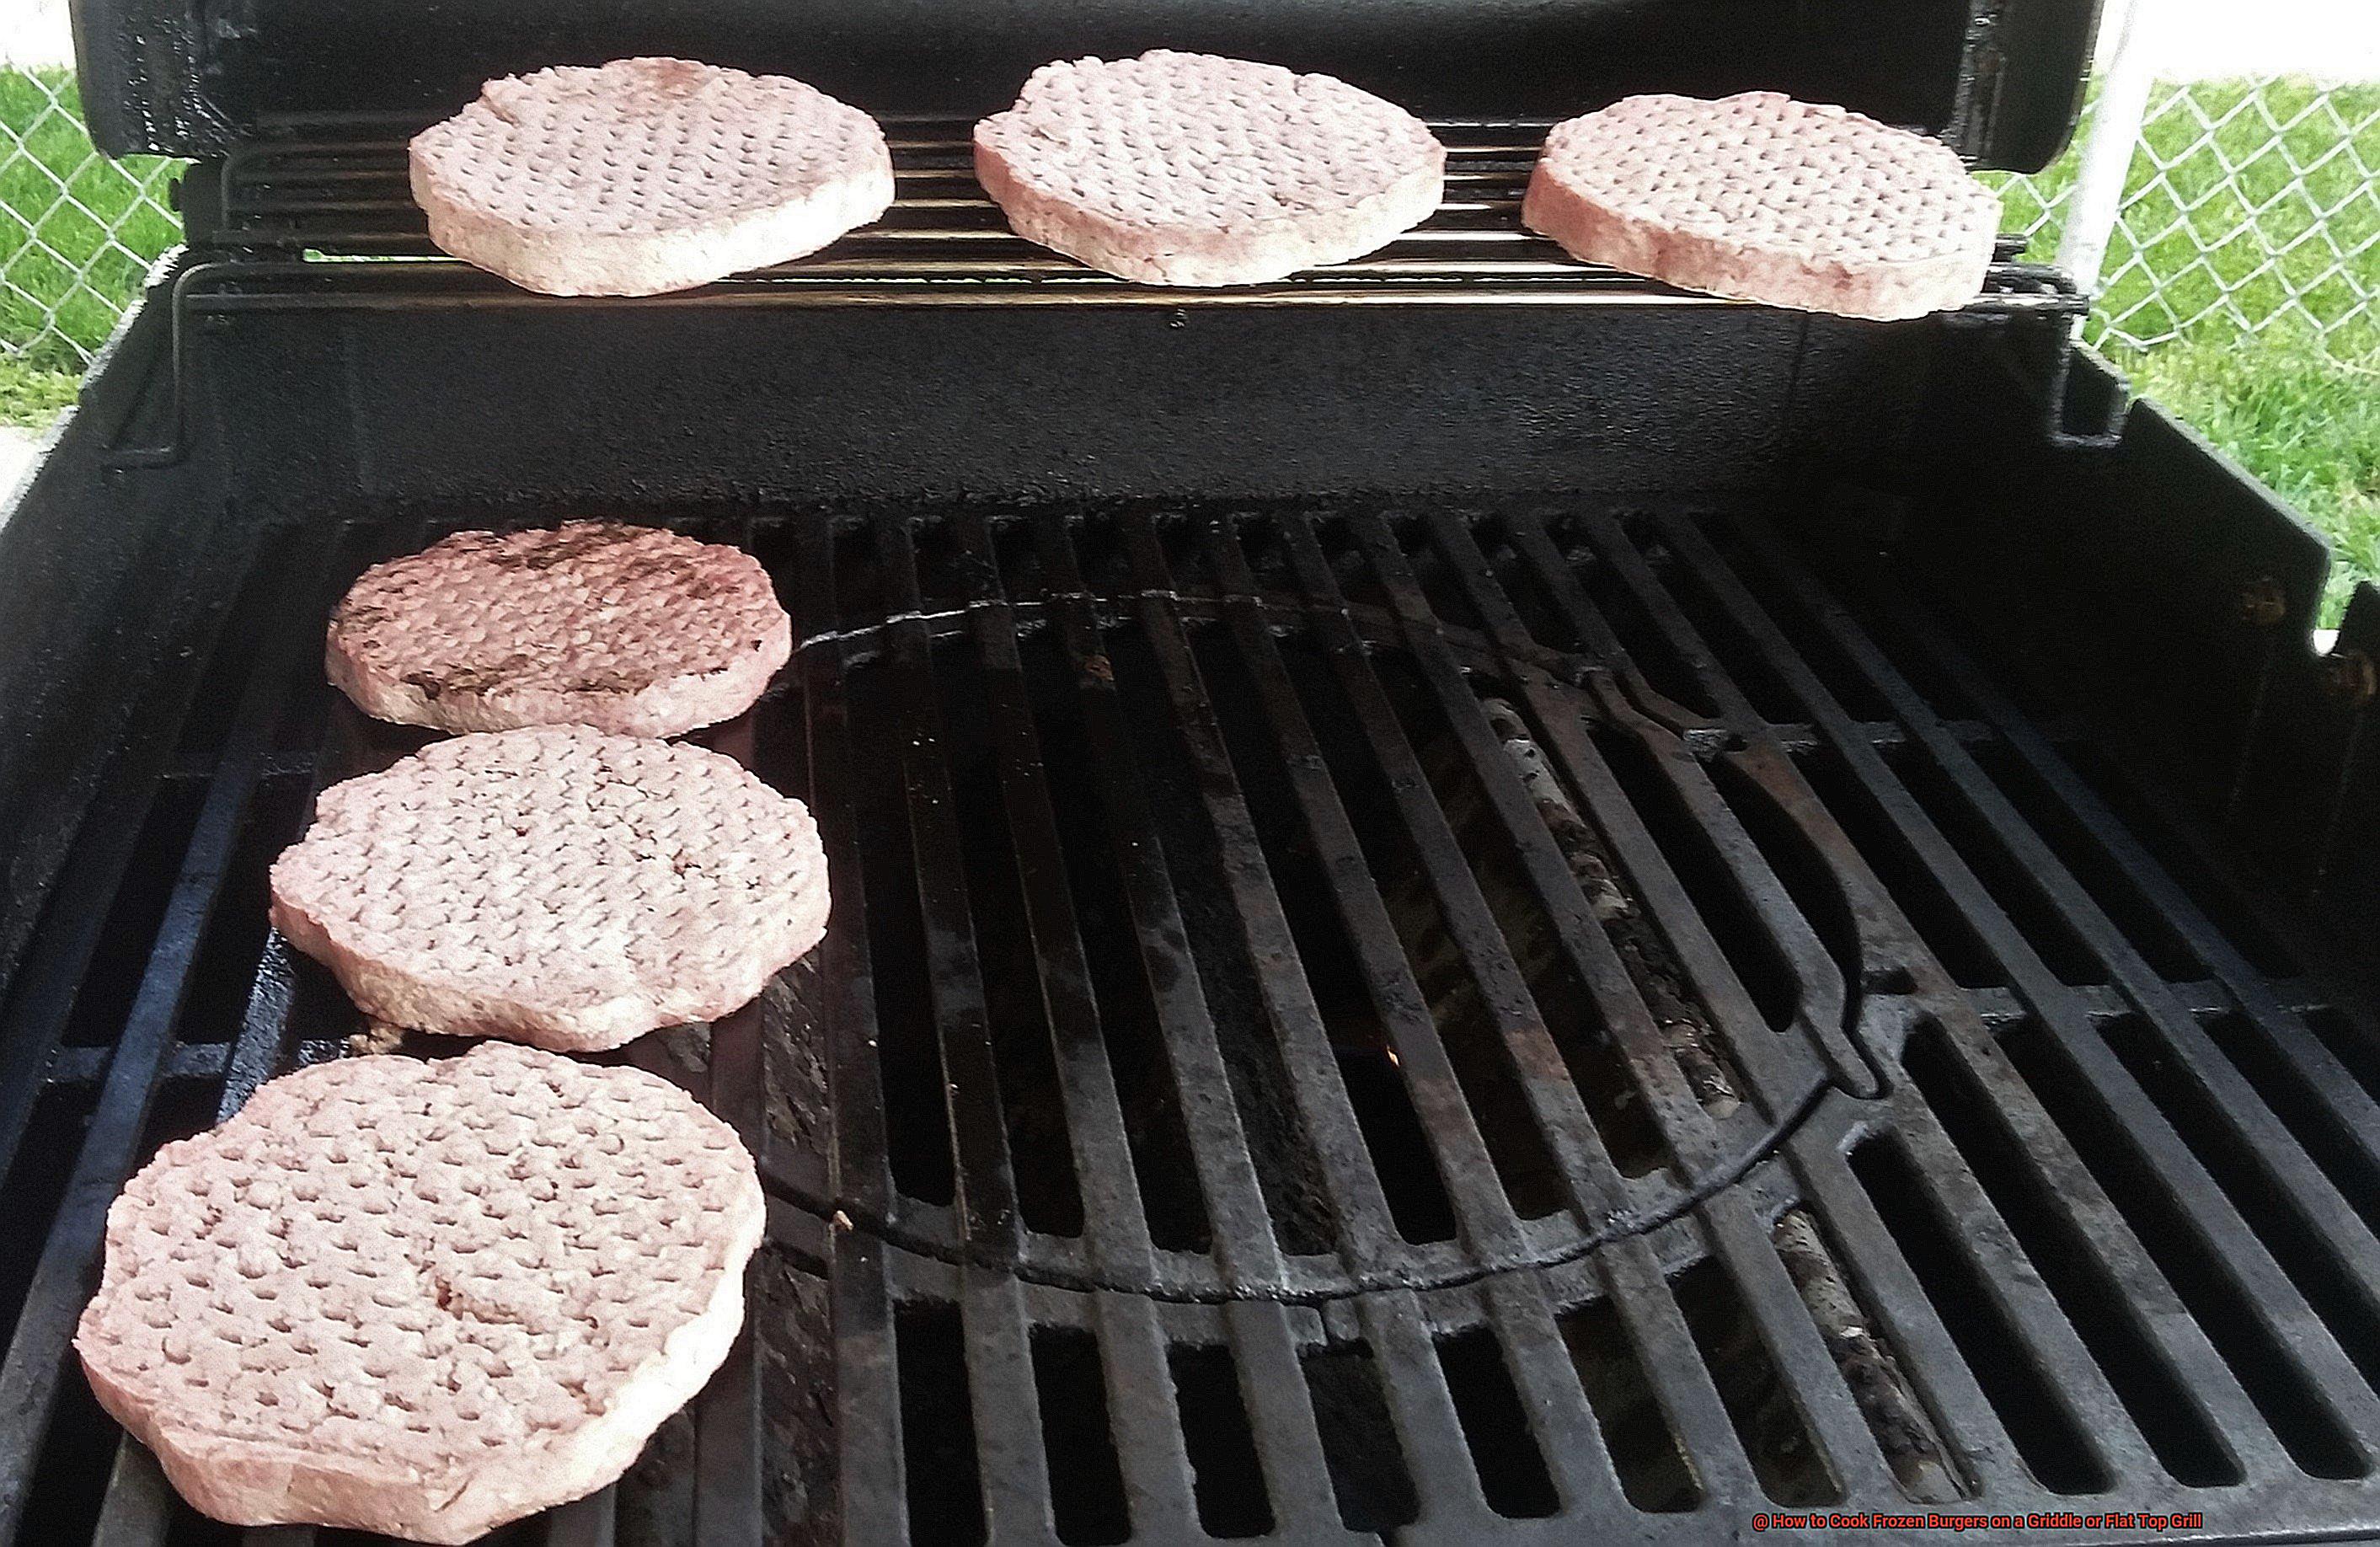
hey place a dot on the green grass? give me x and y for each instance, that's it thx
(67, 272)
(2304, 417)
(30, 396)
(2306, 424)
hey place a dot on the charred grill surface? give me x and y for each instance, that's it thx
(1542, 1022)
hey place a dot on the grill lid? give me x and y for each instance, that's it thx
(2001, 80)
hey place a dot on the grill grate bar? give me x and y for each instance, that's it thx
(1978, 1441)
(1682, 1384)
(1621, 1007)
(2277, 1007)
(1588, 1174)
(1814, 1382)
(52, 971)
(874, 1491)
(1008, 1419)
(1540, 1366)
(2073, 1373)
(1242, 1225)
(2112, 1443)
(2262, 1287)
(1115, 1223)
(1429, 1432)
(1280, 1415)
(139, 1500)
(1149, 1443)
(1483, 1215)
(1359, 1209)
(727, 1413)
(38, 1347)
(1818, 981)
(986, 1173)
(2205, 1378)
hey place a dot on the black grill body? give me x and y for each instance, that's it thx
(1474, 902)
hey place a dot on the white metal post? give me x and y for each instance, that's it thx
(2115, 132)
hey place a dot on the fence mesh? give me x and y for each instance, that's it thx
(78, 231)
(2251, 206)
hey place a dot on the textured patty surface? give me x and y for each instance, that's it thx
(1764, 198)
(422, 1298)
(1192, 169)
(626, 628)
(555, 885)
(646, 175)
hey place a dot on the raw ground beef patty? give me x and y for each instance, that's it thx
(555, 885)
(626, 628)
(1764, 198)
(422, 1298)
(1190, 169)
(646, 175)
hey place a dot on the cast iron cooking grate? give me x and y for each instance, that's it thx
(1530, 1023)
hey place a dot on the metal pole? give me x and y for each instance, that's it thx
(2107, 151)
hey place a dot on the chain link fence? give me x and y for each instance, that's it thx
(2248, 207)
(78, 231)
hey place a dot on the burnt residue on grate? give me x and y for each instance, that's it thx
(1541, 1023)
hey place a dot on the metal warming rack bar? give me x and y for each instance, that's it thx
(306, 189)
(315, 215)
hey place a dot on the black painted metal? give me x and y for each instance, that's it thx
(2001, 80)
(1313, 1163)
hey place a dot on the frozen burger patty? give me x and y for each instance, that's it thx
(646, 175)
(1767, 199)
(626, 628)
(422, 1298)
(556, 886)
(1191, 169)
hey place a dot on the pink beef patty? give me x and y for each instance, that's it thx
(1767, 199)
(626, 628)
(422, 1298)
(1190, 169)
(646, 175)
(555, 886)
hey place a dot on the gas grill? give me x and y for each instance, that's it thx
(1476, 901)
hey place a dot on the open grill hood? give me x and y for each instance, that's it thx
(2001, 80)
